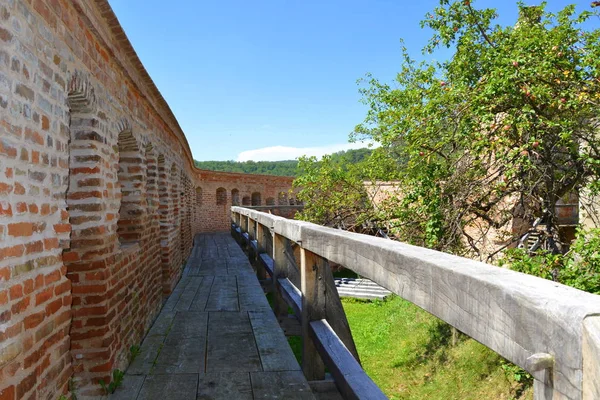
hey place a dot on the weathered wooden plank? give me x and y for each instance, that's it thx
(251, 295)
(162, 324)
(223, 294)
(202, 294)
(514, 314)
(273, 347)
(335, 311)
(188, 325)
(225, 386)
(161, 387)
(129, 390)
(267, 263)
(591, 358)
(291, 295)
(186, 298)
(350, 378)
(280, 270)
(143, 363)
(260, 248)
(312, 274)
(181, 357)
(286, 385)
(231, 344)
(213, 267)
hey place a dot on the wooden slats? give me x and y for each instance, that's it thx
(351, 380)
(291, 294)
(267, 262)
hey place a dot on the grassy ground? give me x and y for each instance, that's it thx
(409, 354)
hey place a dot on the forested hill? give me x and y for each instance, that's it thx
(279, 168)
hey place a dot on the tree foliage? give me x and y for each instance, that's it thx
(503, 129)
(336, 192)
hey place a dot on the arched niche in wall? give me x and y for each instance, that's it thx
(221, 196)
(282, 198)
(163, 195)
(131, 181)
(235, 197)
(256, 199)
(86, 204)
(198, 196)
(246, 201)
(175, 196)
(151, 179)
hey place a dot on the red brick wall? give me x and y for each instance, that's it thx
(213, 217)
(98, 198)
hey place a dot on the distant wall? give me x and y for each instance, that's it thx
(214, 210)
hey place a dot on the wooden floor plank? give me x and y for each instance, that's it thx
(129, 390)
(288, 385)
(225, 386)
(182, 357)
(231, 344)
(223, 295)
(273, 347)
(202, 294)
(189, 293)
(251, 294)
(163, 387)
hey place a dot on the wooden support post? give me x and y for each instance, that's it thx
(243, 223)
(313, 309)
(591, 358)
(280, 270)
(260, 238)
(252, 234)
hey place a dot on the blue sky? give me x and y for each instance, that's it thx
(244, 76)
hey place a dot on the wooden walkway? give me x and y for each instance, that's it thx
(216, 336)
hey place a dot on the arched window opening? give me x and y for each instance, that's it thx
(270, 201)
(246, 201)
(235, 197)
(175, 195)
(198, 196)
(151, 179)
(282, 199)
(292, 201)
(256, 200)
(221, 196)
(163, 194)
(131, 181)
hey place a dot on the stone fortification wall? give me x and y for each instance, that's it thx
(99, 198)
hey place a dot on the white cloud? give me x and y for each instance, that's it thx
(277, 153)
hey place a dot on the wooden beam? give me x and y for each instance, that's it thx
(291, 294)
(260, 248)
(350, 379)
(280, 270)
(313, 309)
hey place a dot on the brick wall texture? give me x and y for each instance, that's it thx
(99, 199)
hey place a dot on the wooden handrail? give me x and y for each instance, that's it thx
(521, 317)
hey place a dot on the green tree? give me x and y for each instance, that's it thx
(335, 191)
(503, 129)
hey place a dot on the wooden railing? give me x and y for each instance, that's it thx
(548, 329)
(303, 281)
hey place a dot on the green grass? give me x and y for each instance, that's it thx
(410, 355)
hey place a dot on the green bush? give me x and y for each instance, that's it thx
(579, 267)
